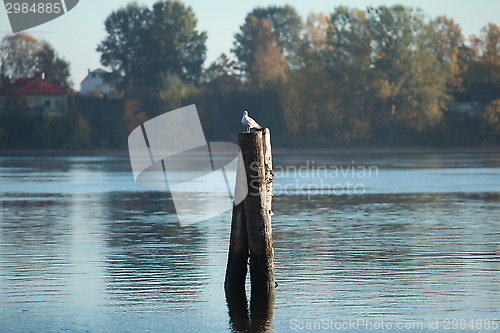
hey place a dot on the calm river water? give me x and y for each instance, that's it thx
(380, 242)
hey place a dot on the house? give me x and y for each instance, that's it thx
(99, 83)
(32, 96)
(467, 108)
(475, 99)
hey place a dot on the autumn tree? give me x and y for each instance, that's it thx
(283, 22)
(447, 41)
(491, 121)
(316, 29)
(268, 63)
(484, 66)
(133, 116)
(22, 55)
(18, 54)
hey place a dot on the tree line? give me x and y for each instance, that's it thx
(379, 76)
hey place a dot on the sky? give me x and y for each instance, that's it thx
(76, 34)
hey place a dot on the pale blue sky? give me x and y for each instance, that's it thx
(76, 34)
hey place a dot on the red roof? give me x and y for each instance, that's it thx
(36, 86)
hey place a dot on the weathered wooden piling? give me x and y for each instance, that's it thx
(251, 232)
(236, 271)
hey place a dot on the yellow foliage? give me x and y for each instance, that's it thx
(268, 63)
(492, 115)
(131, 115)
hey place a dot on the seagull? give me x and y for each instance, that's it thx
(249, 122)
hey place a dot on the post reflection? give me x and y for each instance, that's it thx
(258, 319)
(237, 306)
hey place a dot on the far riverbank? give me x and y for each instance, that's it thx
(333, 150)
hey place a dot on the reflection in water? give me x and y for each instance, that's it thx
(237, 306)
(84, 249)
(261, 311)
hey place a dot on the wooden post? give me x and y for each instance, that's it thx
(236, 271)
(251, 233)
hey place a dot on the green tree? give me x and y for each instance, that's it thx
(146, 46)
(56, 70)
(123, 48)
(175, 93)
(347, 56)
(411, 83)
(150, 101)
(310, 103)
(80, 134)
(223, 70)
(179, 47)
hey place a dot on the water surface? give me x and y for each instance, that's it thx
(83, 249)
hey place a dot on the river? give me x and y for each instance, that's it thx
(363, 242)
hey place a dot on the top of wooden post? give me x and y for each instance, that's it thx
(257, 130)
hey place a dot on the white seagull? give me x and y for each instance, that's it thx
(249, 122)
